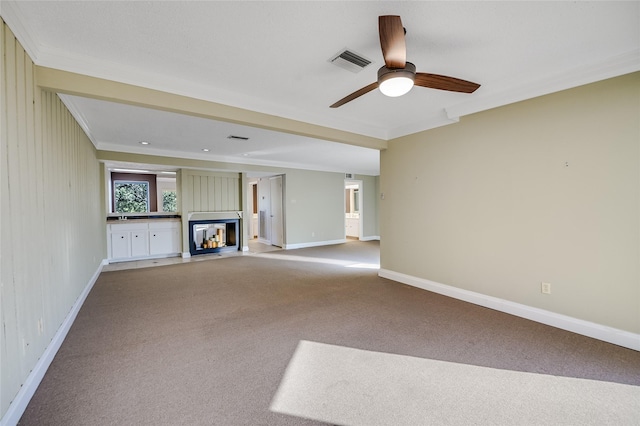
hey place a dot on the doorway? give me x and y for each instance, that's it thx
(253, 208)
(277, 217)
(270, 218)
(353, 216)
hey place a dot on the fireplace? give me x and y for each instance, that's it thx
(213, 236)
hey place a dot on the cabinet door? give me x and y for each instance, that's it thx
(120, 246)
(139, 243)
(161, 241)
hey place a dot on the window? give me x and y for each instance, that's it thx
(169, 201)
(131, 196)
(134, 193)
(142, 193)
(356, 201)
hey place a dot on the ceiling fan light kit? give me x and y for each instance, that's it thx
(396, 82)
(398, 76)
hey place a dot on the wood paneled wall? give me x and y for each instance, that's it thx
(52, 216)
(211, 192)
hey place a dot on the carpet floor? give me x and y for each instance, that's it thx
(208, 343)
(350, 386)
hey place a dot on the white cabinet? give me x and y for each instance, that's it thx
(128, 240)
(139, 243)
(143, 239)
(120, 245)
(164, 238)
(352, 227)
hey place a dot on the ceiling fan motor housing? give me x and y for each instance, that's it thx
(386, 74)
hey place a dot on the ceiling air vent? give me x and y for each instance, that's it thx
(350, 60)
(239, 138)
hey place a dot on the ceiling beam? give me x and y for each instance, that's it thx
(59, 81)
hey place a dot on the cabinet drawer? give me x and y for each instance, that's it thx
(121, 227)
(164, 225)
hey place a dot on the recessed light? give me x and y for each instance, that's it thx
(144, 143)
(245, 155)
(205, 149)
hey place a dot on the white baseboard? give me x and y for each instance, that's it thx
(186, 255)
(148, 257)
(370, 238)
(564, 322)
(313, 244)
(30, 385)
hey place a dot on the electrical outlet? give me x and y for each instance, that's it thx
(545, 288)
(313, 234)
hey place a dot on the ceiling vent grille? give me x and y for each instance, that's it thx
(239, 138)
(350, 60)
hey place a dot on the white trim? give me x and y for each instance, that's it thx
(30, 385)
(12, 16)
(147, 257)
(313, 244)
(82, 122)
(370, 238)
(614, 66)
(52, 57)
(186, 255)
(564, 322)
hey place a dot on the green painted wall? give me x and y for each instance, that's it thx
(545, 190)
(52, 216)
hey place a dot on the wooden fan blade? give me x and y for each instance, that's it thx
(442, 82)
(394, 49)
(355, 94)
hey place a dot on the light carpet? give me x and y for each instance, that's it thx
(349, 386)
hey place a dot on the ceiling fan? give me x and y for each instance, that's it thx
(398, 76)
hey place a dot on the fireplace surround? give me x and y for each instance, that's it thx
(213, 236)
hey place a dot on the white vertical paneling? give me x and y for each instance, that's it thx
(188, 194)
(211, 204)
(234, 195)
(212, 191)
(228, 184)
(50, 185)
(197, 201)
(9, 337)
(204, 190)
(25, 299)
(218, 195)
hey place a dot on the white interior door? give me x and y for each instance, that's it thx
(277, 222)
(264, 210)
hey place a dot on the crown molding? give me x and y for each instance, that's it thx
(239, 163)
(613, 66)
(433, 122)
(95, 67)
(79, 118)
(14, 19)
(46, 56)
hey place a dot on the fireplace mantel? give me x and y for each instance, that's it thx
(214, 215)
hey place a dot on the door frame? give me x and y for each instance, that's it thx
(359, 183)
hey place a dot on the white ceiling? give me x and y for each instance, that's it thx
(272, 57)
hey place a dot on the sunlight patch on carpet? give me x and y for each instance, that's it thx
(345, 263)
(347, 386)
